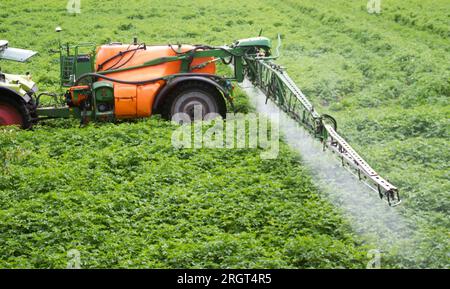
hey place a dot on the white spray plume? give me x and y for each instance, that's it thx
(380, 225)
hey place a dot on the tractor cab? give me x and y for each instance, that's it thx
(20, 84)
(15, 54)
(15, 90)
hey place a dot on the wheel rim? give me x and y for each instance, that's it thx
(9, 115)
(191, 103)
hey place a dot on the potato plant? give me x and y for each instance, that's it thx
(124, 197)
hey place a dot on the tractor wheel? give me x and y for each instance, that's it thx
(12, 113)
(188, 96)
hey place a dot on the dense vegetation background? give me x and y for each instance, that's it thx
(123, 197)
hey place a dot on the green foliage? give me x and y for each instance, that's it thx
(125, 198)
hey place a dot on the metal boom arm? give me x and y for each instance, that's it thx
(273, 80)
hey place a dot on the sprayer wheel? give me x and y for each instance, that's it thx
(189, 95)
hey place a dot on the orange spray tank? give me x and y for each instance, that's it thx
(136, 100)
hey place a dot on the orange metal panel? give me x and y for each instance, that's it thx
(125, 100)
(145, 97)
(80, 96)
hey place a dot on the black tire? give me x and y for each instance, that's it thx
(185, 96)
(19, 106)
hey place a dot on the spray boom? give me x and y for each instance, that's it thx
(276, 84)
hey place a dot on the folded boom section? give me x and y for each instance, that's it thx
(275, 83)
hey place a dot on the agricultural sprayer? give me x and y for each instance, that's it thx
(125, 81)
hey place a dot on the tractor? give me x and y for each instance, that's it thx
(126, 81)
(16, 91)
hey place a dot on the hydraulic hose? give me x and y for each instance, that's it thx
(121, 54)
(204, 47)
(118, 61)
(142, 82)
(38, 97)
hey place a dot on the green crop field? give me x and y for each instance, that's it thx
(124, 197)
